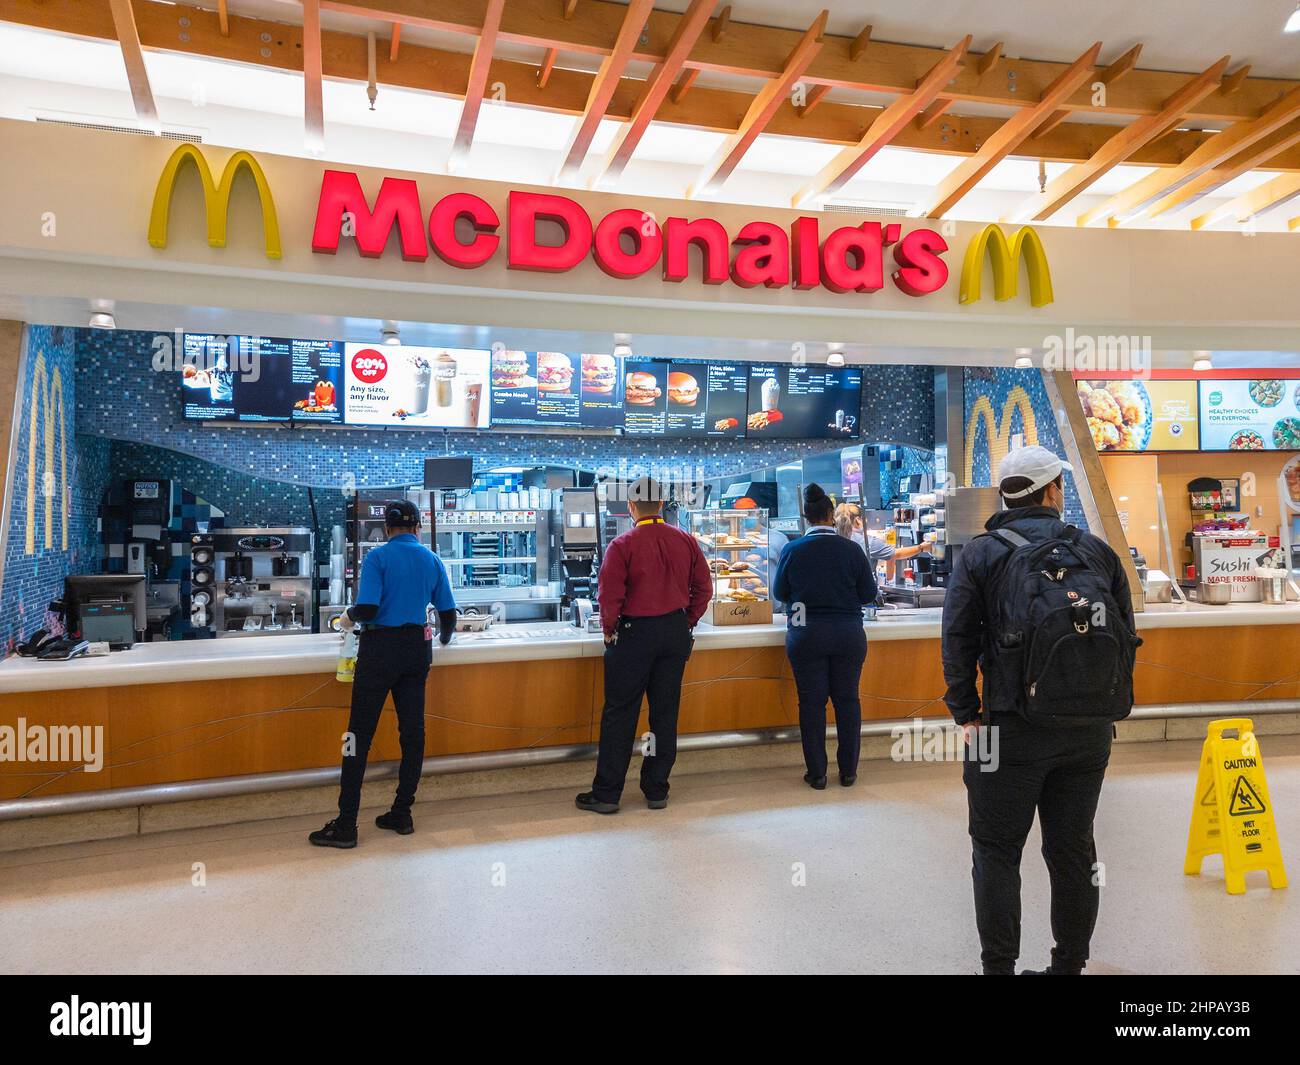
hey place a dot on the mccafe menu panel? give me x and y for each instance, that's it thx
(799, 401)
(552, 388)
(261, 379)
(681, 398)
(419, 388)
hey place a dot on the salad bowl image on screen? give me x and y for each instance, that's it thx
(1260, 414)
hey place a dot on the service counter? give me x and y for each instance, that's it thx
(193, 710)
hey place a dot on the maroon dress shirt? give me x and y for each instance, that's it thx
(653, 569)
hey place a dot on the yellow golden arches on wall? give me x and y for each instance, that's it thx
(47, 394)
(997, 435)
(216, 198)
(1027, 245)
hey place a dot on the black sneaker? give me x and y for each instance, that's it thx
(847, 780)
(657, 804)
(588, 801)
(335, 834)
(400, 823)
(816, 783)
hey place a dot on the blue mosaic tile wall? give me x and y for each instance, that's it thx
(245, 499)
(32, 579)
(901, 461)
(1007, 394)
(123, 398)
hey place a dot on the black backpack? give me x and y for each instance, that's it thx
(1062, 641)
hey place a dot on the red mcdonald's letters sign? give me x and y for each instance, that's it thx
(554, 234)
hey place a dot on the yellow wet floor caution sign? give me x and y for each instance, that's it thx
(1232, 814)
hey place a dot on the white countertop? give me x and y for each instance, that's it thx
(186, 660)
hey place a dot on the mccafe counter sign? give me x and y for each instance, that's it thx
(551, 233)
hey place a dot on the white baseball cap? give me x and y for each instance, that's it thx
(1041, 466)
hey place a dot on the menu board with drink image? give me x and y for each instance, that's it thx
(803, 402)
(414, 387)
(552, 388)
(261, 379)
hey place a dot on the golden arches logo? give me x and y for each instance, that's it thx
(998, 437)
(47, 394)
(1026, 245)
(216, 198)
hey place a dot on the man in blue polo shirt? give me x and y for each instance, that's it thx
(399, 580)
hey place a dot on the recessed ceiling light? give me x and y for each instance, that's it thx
(1202, 363)
(101, 315)
(1293, 23)
(1024, 361)
(835, 357)
(389, 334)
(622, 346)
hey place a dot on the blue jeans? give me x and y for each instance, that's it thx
(826, 655)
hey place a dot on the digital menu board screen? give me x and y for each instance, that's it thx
(799, 401)
(551, 388)
(1131, 415)
(261, 379)
(683, 398)
(1244, 414)
(415, 388)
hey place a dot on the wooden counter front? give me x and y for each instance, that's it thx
(180, 731)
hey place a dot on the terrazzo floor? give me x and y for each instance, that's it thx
(746, 871)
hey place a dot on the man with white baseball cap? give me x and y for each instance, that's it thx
(1042, 611)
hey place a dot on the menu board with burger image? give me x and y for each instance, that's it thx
(261, 379)
(553, 388)
(684, 398)
(415, 387)
(803, 402)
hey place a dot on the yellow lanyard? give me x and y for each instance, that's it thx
(649, 521)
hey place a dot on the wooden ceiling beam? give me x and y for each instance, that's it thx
(1134, 201)
(720, 24)
(603, 87)
(394, 42)
(657, 87)
(757, 51)
(859, 44)
(223, 17)
(1265, 197)
(1011, 134)
(1142, 131)
(137, 75)
(748, 50)
(761, 111)
(889, 123)
(989, 59)
(932, 114)
(313, 107)
(1243, 162)
(277, 46)
(548, 64)
(1114, 72)
(476, 84)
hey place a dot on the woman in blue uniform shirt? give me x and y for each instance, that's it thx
(824, 580)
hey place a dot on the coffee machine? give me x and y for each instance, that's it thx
(264, 581)
(579, 556)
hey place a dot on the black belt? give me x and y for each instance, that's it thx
(394, 628)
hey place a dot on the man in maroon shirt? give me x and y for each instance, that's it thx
(654, 586)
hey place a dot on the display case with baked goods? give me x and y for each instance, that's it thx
(736, 544)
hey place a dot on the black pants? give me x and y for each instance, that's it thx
(1059, 772)
(397, 661)
(648, 659)
(826, 655)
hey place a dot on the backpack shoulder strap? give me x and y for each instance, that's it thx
(1010, 536)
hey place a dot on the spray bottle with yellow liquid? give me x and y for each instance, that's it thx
(346, 669)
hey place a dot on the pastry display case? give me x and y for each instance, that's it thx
(736, 544)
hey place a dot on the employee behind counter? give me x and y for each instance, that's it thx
(399, 581)
(849, 523)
